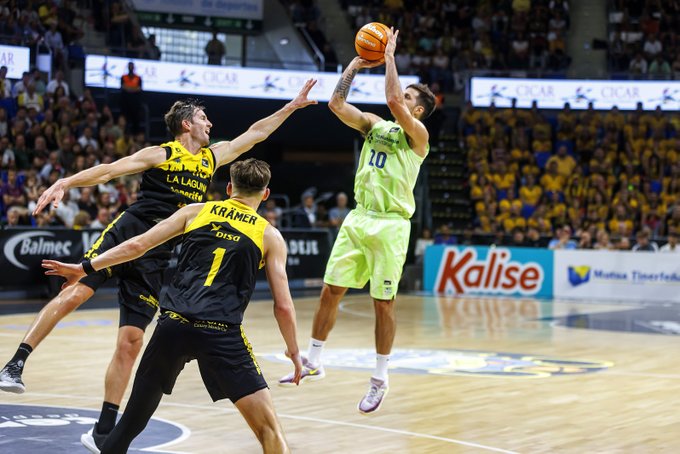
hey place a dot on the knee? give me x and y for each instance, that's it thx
(269, 435)
(330, 294)
(129, 346)
(70, 299)
(383, 307)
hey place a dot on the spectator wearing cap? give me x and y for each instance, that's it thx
(305, 215)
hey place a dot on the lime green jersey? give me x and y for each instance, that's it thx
(387, 172)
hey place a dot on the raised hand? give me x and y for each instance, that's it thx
(391, 42)
(52, 195)
(73, 272)
(301, 100)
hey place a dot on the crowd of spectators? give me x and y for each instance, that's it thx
(643, 38)
(607, 179)
(47, 133)
(312, 212)
(441, 39)
(56, 26)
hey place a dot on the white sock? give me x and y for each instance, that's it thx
(381, 364)
(314, 352)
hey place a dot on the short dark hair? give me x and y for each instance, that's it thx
(250, 176)
(180, 111)
(426, 99)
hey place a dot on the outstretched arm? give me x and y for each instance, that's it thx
(130, 249)
(284, 310)
(347, 113)
(227, 151)
(414, 128)
(138, 162)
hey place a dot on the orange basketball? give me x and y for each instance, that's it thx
(371, 40)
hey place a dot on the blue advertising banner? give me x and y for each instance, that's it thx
(482, 270)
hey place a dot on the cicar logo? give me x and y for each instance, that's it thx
(460, 272)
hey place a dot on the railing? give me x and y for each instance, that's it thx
(318, 55)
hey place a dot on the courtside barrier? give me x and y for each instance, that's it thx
(481, 270)
(23, 249)
(620, 275)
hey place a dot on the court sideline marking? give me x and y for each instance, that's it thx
(310, 419)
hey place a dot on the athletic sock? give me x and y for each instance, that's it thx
(314, 352)
(107, 418)
(381, 364)
(22, 354)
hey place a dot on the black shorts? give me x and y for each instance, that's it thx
(225, 358)
(139, 281)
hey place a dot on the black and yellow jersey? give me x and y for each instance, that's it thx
(222, 250)
(183, 178)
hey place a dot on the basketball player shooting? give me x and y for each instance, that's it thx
(373, 240)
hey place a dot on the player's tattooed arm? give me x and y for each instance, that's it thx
(345, 82)
(347, 113)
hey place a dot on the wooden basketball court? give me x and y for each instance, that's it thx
(469, 375)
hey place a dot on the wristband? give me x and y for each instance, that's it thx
(87, 267)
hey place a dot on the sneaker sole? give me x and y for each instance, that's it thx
(370, 412)
(12, 388)
(87, 441)
(303, 380)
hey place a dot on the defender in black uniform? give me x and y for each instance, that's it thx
(223, 246)
(175, 174)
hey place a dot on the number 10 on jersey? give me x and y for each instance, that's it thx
(377, 159)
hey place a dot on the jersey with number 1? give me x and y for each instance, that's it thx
(387, 172)
(222, 250)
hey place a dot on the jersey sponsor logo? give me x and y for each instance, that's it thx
(28, 429)
(37, 243)
(460, 272)
(227, 236)
(188, 182)
(459, 362)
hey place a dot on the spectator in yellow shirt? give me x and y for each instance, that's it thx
(552, 181)
(515, 219)
(530, 193)
(503, 179)
(620, 223)
(565, 163)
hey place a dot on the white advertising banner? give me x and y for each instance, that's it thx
(199, 80)
(17, 59)
(639, 276)
(241, 9)
(553, 93)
